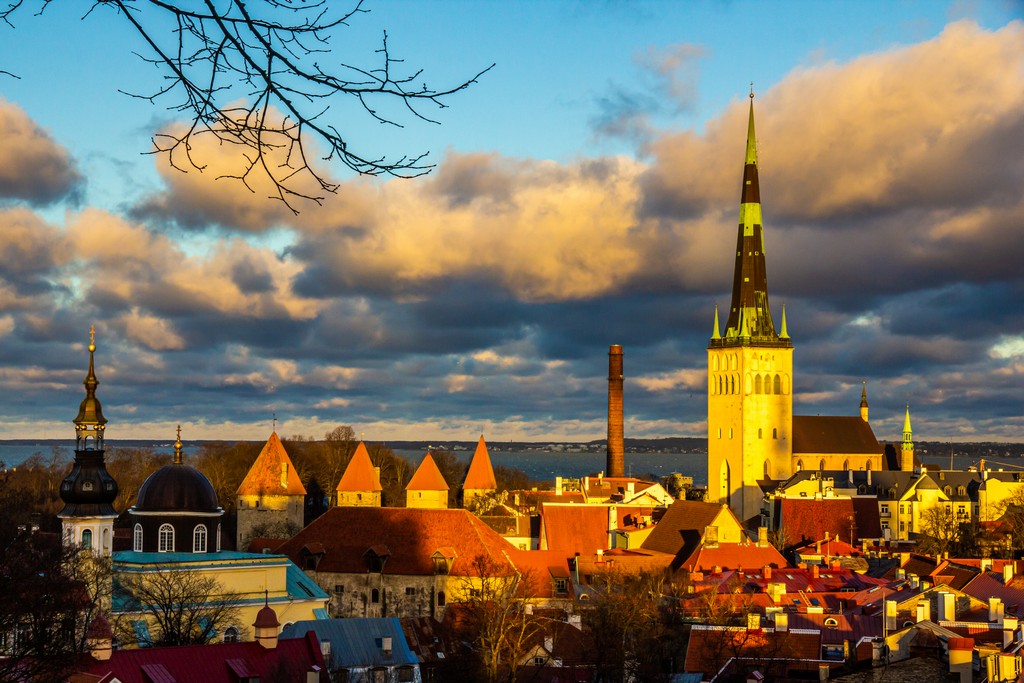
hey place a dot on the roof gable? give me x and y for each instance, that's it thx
(427, 477)
(360, 474)
(272, 474)
(683, 525)
(481, 473)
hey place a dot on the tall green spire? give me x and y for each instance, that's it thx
(750, 318)
(908, 434)
(715, 333)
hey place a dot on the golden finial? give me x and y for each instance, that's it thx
(177, 448)
(751, 89)
(92, 338)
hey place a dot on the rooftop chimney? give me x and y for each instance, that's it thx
(762, 537)
(1008, 573)
(616, 446)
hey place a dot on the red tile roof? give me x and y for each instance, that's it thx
(582, 528)
(480, 474)
(833, 434)
(809, 519)
(733, 556)
(411, 535)
(711, 647)
(360, 474)
(211, 663)
(264, 477)
(427, 477)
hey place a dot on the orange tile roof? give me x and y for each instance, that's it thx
(480, 474)
(360, 474)
(583, 528)
(410, 535)
(734, 556)
(264, 477)
(427, 477)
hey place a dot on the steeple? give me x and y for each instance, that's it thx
(907, 447)
(90, 423)
(750, 319)
(864, 401)
(89, 491)
(716, 332)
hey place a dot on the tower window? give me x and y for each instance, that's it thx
(759, 432)
(166, 538)
(137, 538)
(440, 598)
(775, 433)
(375, 596)
(730, 432)
(821, 465)
(231, 635)
(757, 384)
(719, 432)
(199, 539)
(87, 538)
(778, 385)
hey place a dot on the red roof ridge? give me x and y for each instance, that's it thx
(427, 477)
(480, 474)
(360, 474)
(264, 477)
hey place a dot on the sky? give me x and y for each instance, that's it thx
(585, 193)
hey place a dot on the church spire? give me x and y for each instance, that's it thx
(90, 423)
(864, 400)
(907, 447)
(750, 318)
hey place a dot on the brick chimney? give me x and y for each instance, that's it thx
(616, 445)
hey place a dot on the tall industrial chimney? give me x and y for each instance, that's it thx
(616, 448)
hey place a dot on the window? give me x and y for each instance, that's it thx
(885, 508)
(821, 465)
(775, 433)
(137, 538)
(375, 596)
(799, 465)
(409, 590)
(339, 588)
(87, 538)
(561, 586)
(166, 538)
(759, 433)
(406, 673)
(199, 539)
(218, 538)
(231, 635)
(440, 598)
(961, 491)
(539, 661)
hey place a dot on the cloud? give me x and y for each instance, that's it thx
(33, 167)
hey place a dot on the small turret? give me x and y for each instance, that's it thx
(266, 626)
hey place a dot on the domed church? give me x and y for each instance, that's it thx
(176, 510)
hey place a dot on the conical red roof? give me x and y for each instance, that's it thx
(264, 477)
(480, 474)
(360, 475)
(428, 477)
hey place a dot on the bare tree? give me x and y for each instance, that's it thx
(275, 57)
(185, 607)
(499, 625)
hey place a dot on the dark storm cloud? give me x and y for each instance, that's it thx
(33, 167)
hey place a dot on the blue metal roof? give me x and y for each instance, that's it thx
(356, 642)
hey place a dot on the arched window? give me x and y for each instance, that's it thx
(375, 596)
(846, 464)
(948, 490)
(778, 385)
(218, 538)
(757, 384)
(166, 538)
(821, 465)
(785, 384)
(759, 432)
(767, 384)
(799, 465)
(960, 491)
(199, 539)
(87, 538)
(231, 635)
(868, 465)
(105, 545)
(775, 433)
(831, 622)
(137, 538)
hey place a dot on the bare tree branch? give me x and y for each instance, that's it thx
(269, 55)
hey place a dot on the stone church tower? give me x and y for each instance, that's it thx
(750, 370)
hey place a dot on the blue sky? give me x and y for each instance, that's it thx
(585, 194)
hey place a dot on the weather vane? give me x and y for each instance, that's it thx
(275, 420)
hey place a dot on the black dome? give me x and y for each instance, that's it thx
(177, 488)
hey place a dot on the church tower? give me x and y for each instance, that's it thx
(750, 370)
(88, 492)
